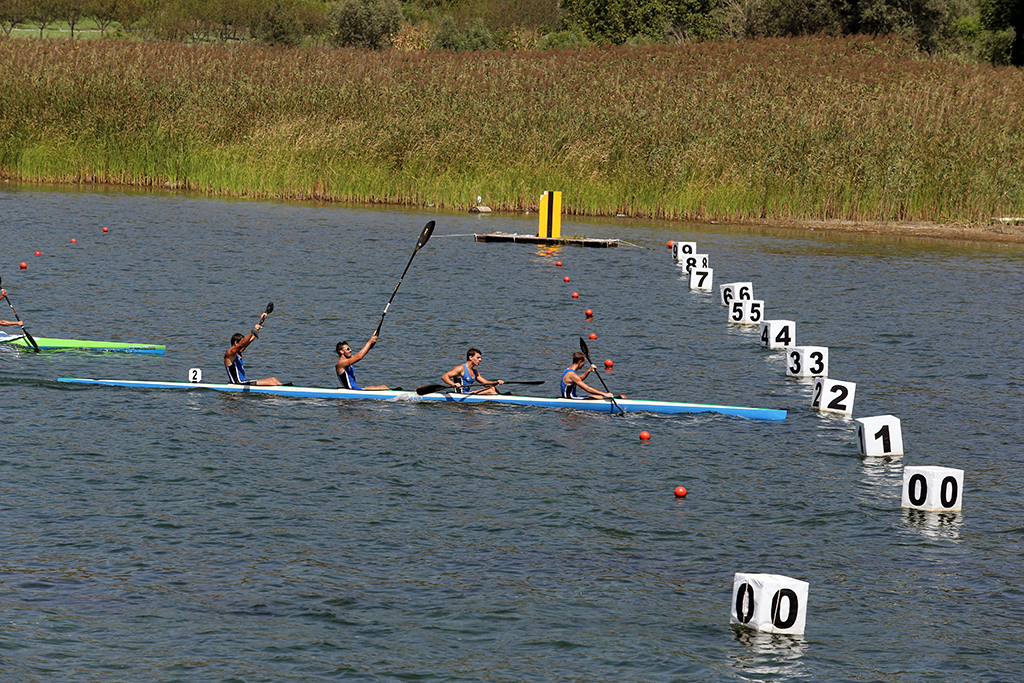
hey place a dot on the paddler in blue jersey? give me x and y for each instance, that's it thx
(346, 359)
(463, 376)
(233, 360)
(571, 380)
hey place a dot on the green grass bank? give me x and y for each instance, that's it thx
(809, 128)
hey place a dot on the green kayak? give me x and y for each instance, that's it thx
(47, 344)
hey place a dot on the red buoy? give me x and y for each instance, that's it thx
(558, 263)
(39, 253)
(24, 266)
(608, 363)
(104, 229)
(645, 436)
(566, 278)
(575, 295)
(590, 313)
(670, 243)
(680, 491)
(549, 252)
(593, 336)
(74, 241)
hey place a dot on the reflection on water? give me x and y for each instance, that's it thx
(935, 525)
(769, 655)
(885, 471)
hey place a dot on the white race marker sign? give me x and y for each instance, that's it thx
(932, 488)
(680, 250)
(879, 435)
(700, 278)
(195, 375)
(833, 396)
(736, 290)
(746, 311)
(778, 334)
(769, 602)
(807, 361)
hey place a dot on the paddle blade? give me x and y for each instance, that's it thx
(428, 230)
(270, 308)
(430, 389)
(31, 340)
(584, 349)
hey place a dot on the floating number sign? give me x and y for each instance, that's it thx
(879, 436)
(700, 278)
(932, 488)
(695, 261)
(778, 334)
(770, 602)
(807, 361)
(833, 396)
(195, 375)
(681, 249)
(736, 290)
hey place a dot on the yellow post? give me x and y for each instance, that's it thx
(550, 215)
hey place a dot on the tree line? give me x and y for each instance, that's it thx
(986, 30)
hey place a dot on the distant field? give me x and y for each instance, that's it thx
(812, 128)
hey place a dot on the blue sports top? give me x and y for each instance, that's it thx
(236, 371)
(347, 379)
(568, 390)
(467, 378)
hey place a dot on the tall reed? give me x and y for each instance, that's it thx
(813, 128)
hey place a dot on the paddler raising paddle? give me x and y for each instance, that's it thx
(571, 379)
(463, 376)
(233, 360)
(346, 359)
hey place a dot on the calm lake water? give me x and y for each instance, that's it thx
(193, 536)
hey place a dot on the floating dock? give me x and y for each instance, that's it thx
(533, 239)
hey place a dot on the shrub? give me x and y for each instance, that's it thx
(365, 23)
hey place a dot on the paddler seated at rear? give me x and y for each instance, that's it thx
(346, 359)
(571, 380)
(233, 360)
(463, 376)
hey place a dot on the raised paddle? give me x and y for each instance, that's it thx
(428, 230)
(434, 388)
(263, 317)
(586, 352)
(29, 337)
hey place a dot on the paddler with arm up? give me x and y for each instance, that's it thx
(462, 376)
(571, 379)
(346, 359)
(233, 360)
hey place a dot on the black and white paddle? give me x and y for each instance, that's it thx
(263, 317)
(31, 340)
(434, 388)
(428, 230)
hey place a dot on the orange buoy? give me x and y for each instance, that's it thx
(558, 263)
(645, 436)
(593, 336)
(608, 363)
(566, 278)
(590, 313)
(104, 229)
(74, 241)
(39, 253)
(670, 243)
(24, 266)
(680, 492)
(575, 295)
(549, 252)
